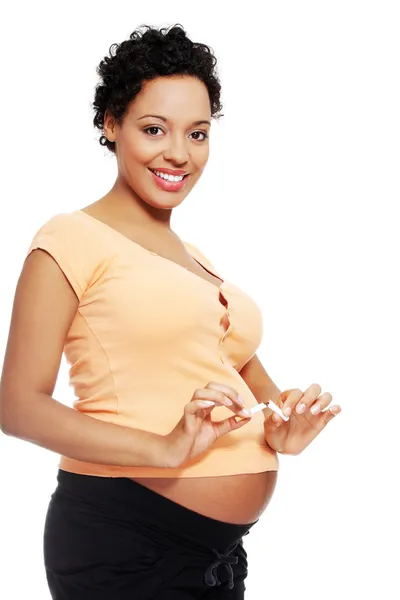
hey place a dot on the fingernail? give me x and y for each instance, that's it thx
(207, 403)
(300, 408)
(315, 409)
(240, 400)
(228, 401)
(237, 419)
(287, 411)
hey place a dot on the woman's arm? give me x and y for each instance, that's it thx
(40, 419)
(260, 384)
(44, 307)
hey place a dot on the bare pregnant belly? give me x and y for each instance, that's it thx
(239, 499)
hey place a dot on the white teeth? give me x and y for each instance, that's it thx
(169, 177)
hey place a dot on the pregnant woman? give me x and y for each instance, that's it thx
(163, 470)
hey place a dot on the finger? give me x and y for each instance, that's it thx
(229, 391)
(334, 410)
(196, 405)
(320, 403)
(194, 414)
(313, 390)
(221, 398)
(223, 427)
(213, 395)
(289, 399)
(277, 420)
(308, 399)
(271, 424)
(311, 396)
(328, 415)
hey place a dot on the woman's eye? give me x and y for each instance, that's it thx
(148, 129)
(203, 133)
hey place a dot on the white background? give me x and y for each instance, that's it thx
(297, 205)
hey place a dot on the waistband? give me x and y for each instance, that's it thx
(140, 503)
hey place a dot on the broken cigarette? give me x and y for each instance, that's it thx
(274, 407)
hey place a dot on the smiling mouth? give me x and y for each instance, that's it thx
(165, 178)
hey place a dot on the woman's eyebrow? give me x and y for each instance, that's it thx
(166, 120)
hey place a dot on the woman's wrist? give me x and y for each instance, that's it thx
(150, 449)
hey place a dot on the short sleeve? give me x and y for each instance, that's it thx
(63, 238)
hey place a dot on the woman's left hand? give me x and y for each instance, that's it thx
(292, 436)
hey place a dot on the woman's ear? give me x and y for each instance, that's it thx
(109, 126)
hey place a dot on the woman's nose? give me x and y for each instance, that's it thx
(177, 150)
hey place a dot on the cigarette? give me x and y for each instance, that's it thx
(272, 406)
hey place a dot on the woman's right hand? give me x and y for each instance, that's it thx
(196, 432)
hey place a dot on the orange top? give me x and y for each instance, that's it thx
(147, 333)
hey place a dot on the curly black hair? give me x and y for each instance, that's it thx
(145, 56)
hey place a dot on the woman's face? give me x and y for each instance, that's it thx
(173, 138)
